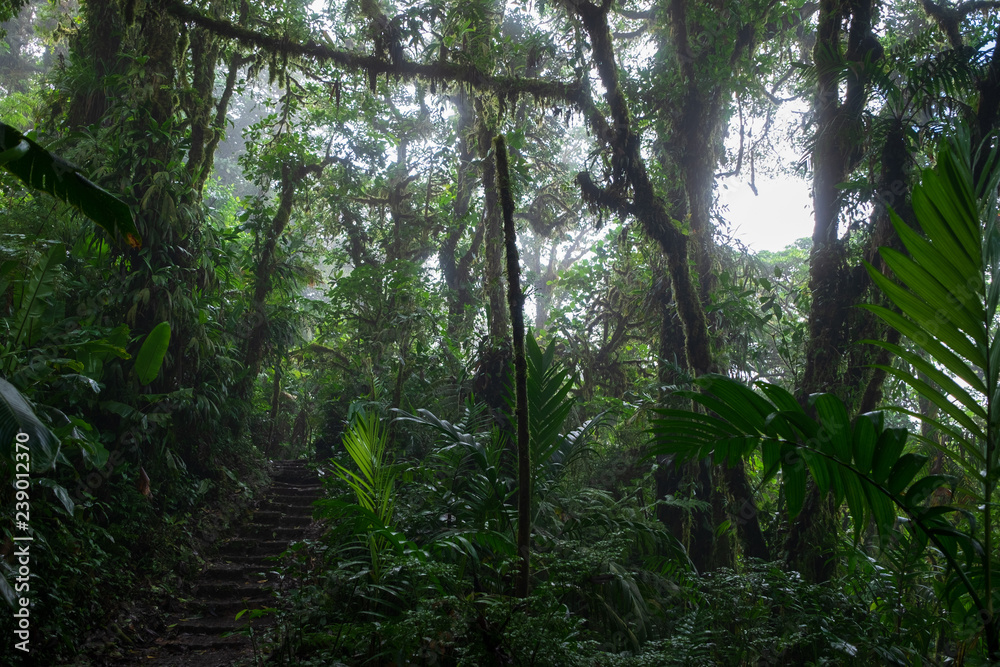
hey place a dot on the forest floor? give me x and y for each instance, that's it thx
(204, 631)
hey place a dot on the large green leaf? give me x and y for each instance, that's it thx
(861, 461)
(49, 173)
(946, 292)
(549, 402)
(150, 357)
(365, 442)
(17, 416)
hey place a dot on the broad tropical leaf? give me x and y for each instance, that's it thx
(860, 461)
(946, 290)
(17, 416)
(150, 357)
(366, 442)
(946, 296)
(42, 170)
(373, 484)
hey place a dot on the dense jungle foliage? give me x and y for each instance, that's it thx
(471, 259)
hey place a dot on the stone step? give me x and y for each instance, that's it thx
(294, 511)
(228, 607)
(243, 546)
(230, 572)
(276, 518)
(189, 643)
(293, 500)
(236, 590)
(215, 625)
(240, 578)
(272, 532)
(254, 563)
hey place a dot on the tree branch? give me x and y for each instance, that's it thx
(505, 86)
(949, 19)
(629, 171)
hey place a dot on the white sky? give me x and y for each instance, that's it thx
(780, 214)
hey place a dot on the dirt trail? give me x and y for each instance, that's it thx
(237, 579)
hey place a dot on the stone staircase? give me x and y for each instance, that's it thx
(237, 579)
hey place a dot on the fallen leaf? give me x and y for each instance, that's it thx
(143, 483)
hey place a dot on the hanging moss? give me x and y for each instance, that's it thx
(374, 65)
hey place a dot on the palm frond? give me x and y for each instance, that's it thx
(862, 462)
(945, 292)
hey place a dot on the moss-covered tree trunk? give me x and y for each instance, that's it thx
(492, 378)
(688, 147)
(258, 326)
(456, 265)
(515, 300)
(98, 45)
(811, 542)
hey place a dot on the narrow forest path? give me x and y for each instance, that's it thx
(237, 579)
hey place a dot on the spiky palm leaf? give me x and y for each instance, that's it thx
(862, 462)
(947, 307)
(373, 484)
(947, 295)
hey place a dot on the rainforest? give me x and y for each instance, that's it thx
(425, 332)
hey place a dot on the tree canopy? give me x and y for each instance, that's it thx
(472, 259)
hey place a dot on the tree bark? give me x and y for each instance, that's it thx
(811, 541)
(98, 43)
(456, 269)
(515, 299)
(258, 325)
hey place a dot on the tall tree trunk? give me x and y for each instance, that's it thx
(204, 58)
(893, 191)
(457, 269)
(695, 146)
(499, 321)
(258, 324)
(98, 43)
(811, 542)
(493, 376)
(692, 528)
(515, 299)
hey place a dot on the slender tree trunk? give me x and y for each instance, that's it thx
(258, 325)
(493, 376)
(201, 157)
(204, 57)
(499, 323)
(455, 269)
(811, 542)
(515, 299)
(894, 188)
